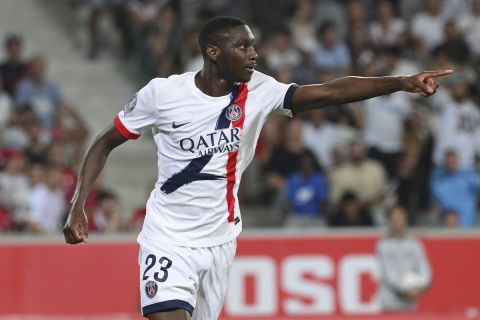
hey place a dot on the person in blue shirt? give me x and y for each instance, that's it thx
(456, 190)
(40, 93)
(306, 192)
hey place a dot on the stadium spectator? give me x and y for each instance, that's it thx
(331, 54)
(457, 124)
(364, 177)
(319, 136)
(72, 130)
(456, 190)
(6, 108)
(14, 186)
(454, 44)
(415, 165)
(108, 216)
(282, 54)
(405, 270)
(356, 13)
(469, 25)
(144, 14)
(163, 43)
(47, 205)
(121, 17)
(450, 219)
(284, 159)
(305, 72)
(386, 29)
(38, 92)
(55, 156)
(302, 26)
(306, 193)
(350, 213)
(427, 27)
(360, 47)
(14, 68)
(383, 123)
(331, 10)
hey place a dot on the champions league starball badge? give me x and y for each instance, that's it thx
(151, 289)
(234, 112)
(130, 105)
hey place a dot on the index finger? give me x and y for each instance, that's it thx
(438, 73)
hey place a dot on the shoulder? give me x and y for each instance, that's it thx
(170, 82)
(413, 241)
(259, 79)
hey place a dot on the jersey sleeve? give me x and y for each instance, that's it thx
(140, 113)
(275, 96)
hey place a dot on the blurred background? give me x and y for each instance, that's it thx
(327, 177)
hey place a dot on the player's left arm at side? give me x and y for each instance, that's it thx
(76, 226)
(351, 89)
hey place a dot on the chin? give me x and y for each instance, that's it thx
(246, 78)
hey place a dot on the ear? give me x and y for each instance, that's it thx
(213, 52)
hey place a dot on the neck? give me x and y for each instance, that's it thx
(210, 82)
(398, 233)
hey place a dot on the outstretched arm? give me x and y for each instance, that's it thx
(76, 227)
(350, 89)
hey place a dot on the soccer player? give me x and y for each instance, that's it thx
(206, 125)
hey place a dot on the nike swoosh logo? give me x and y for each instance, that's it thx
(175, 126)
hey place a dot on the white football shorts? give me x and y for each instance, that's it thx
(193, 279)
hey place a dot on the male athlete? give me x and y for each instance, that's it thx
(206, 125)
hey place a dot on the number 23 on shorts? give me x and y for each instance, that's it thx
(162, 274)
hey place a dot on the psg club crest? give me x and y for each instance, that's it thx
(234, 112)
(151, 288)
(130, 105)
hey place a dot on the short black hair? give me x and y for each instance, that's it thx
(213, 28)
(326, 26)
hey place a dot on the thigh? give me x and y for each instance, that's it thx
(214, 281)
(167, 282)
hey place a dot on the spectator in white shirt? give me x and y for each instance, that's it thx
(14, 187)
(282, 53)
(469, 24)
(319, 136)
(427, 27)
(387, 28)
(47, 204)
(457, 124)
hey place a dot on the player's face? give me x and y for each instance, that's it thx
(238, 58)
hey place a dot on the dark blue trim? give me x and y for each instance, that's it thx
(192, 172)
(288, 100)
(222, 121)
(167, 306)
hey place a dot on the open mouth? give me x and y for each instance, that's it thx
(250, 68)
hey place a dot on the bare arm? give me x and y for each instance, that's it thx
(76, 227)
(350, 89)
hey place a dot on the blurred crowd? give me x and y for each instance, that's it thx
(339, 166)
(42, 141)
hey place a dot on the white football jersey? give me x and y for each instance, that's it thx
(204, 144)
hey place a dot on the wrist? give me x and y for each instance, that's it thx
(400, 83)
